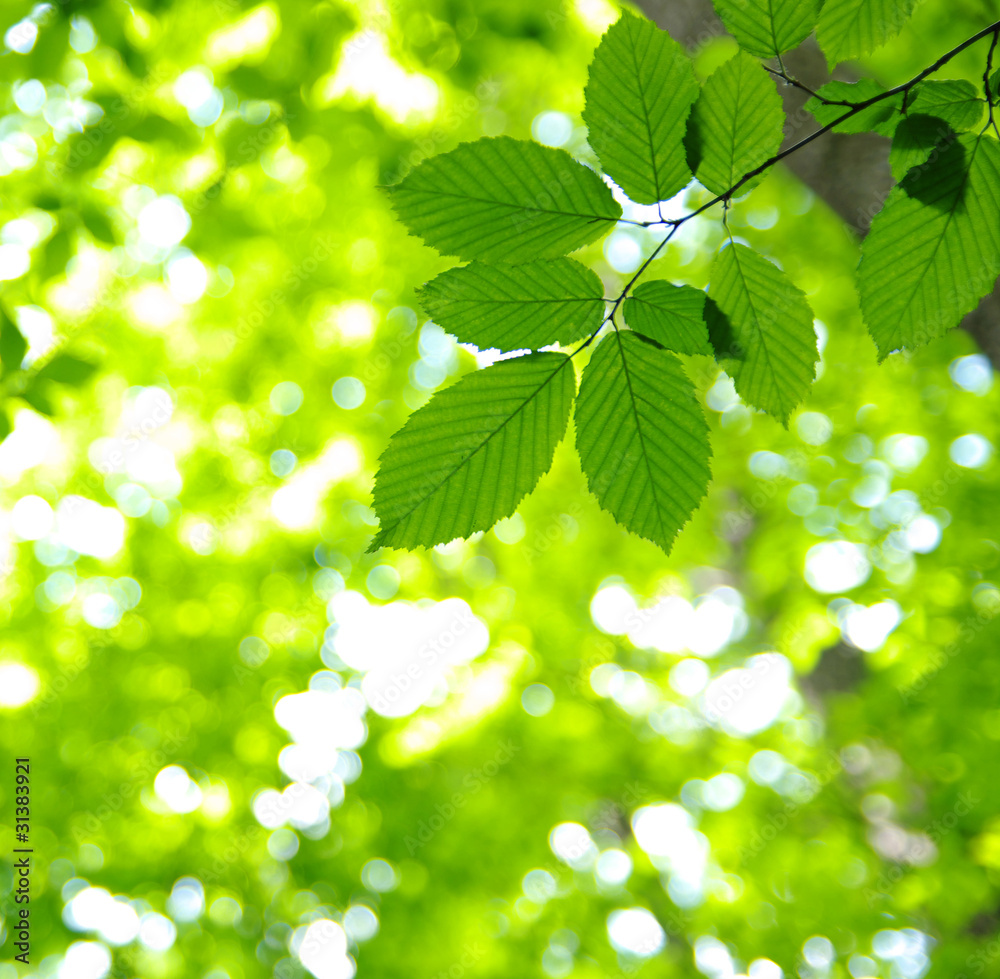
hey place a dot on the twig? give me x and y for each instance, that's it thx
(903, 89)
(635, 278)
(795, 83)
(853, 109)
(987, 83)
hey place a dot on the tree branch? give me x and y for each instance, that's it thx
(850, 173)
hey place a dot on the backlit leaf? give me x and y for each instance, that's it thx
(736, 124)
(642, 437)
(638, 100)
(958, 102)
(934, 250)
(767, 28)
(673, 316)
(765, 337)
(882, 117)
(513, 307)
(470, 455)
(852, 28)
(506, 200)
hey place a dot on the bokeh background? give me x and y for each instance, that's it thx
(547, 751)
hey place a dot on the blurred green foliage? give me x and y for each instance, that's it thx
(190, 201)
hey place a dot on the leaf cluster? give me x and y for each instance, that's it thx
(514, 210)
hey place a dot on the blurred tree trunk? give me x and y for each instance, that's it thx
(849, 172)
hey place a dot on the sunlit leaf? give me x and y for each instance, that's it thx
(470, 455)
(638, 100)
(642, 438)
(507, 200)
(736, 124)
(851, 28)
(673, 316)
(767, 28)
(765, 336)
(934, 250)
(935, 113)
(514, 307)
(882, 117)
(958, 102)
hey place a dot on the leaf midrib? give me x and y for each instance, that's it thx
(944, 231)
(642, 440)
(385, 530)
(519, 207)
(645, 116)
(525, 302)
(774, 33)
(760, 331)
(667, 310)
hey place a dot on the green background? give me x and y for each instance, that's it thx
(882, 835)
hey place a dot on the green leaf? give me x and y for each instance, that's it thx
(5, 426)
(156, 128)
(638, 99)
(673, 316)
(507, 200)
(38, 398)
(470, 455)
(513, 307)
(934, 250)
(642, 437)
(765, 336)
(917, 139)
(65, 369)
(97, 223)
(48, 200)
(852, 28)
(959, 103)
(882, 117)
(736, 124)
(767, 28)
(56, 255)
(13, 346)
